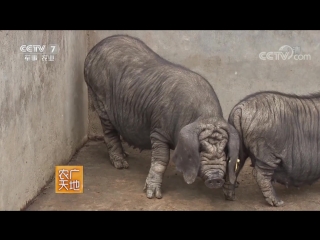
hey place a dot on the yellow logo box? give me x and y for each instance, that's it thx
(69, 179)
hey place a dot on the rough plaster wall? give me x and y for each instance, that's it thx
(230, 61)
(44, 111)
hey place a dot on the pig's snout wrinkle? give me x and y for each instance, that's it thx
(214, 182)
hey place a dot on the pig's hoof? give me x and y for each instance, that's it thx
(229, 195)
(119, 163)
(273, 201)
(153, 189)
(229, 191)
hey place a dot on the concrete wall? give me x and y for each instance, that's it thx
(230, 61)
(44, 109)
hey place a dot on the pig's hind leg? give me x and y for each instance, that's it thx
(265, 164)
(114, 146)
(111, 136)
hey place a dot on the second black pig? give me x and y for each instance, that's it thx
(281, 135)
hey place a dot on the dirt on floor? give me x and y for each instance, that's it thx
(108, 188)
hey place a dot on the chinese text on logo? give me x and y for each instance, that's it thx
(47, 53)
(69, 179)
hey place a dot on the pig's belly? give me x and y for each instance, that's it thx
(134, 132)
(291, 179)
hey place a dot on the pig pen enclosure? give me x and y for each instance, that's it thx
(47, 118)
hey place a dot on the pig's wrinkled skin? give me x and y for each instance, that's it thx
(154, 104)
(281, 135)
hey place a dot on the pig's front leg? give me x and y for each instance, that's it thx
(159, 162)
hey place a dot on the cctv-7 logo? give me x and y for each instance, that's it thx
(53, 49)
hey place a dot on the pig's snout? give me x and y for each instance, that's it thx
(214, 181)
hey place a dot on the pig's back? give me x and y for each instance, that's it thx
(142, 91)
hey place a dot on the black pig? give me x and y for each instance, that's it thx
(281, 135)
(155, 104)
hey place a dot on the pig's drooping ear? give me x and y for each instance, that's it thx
(186, 156)
(233, 153)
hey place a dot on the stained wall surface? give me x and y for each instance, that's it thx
(230, 61)
(44, 111)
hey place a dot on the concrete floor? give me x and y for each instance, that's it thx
(107, 188)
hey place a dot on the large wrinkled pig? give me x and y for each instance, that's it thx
(155, 104)
(281, 135)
